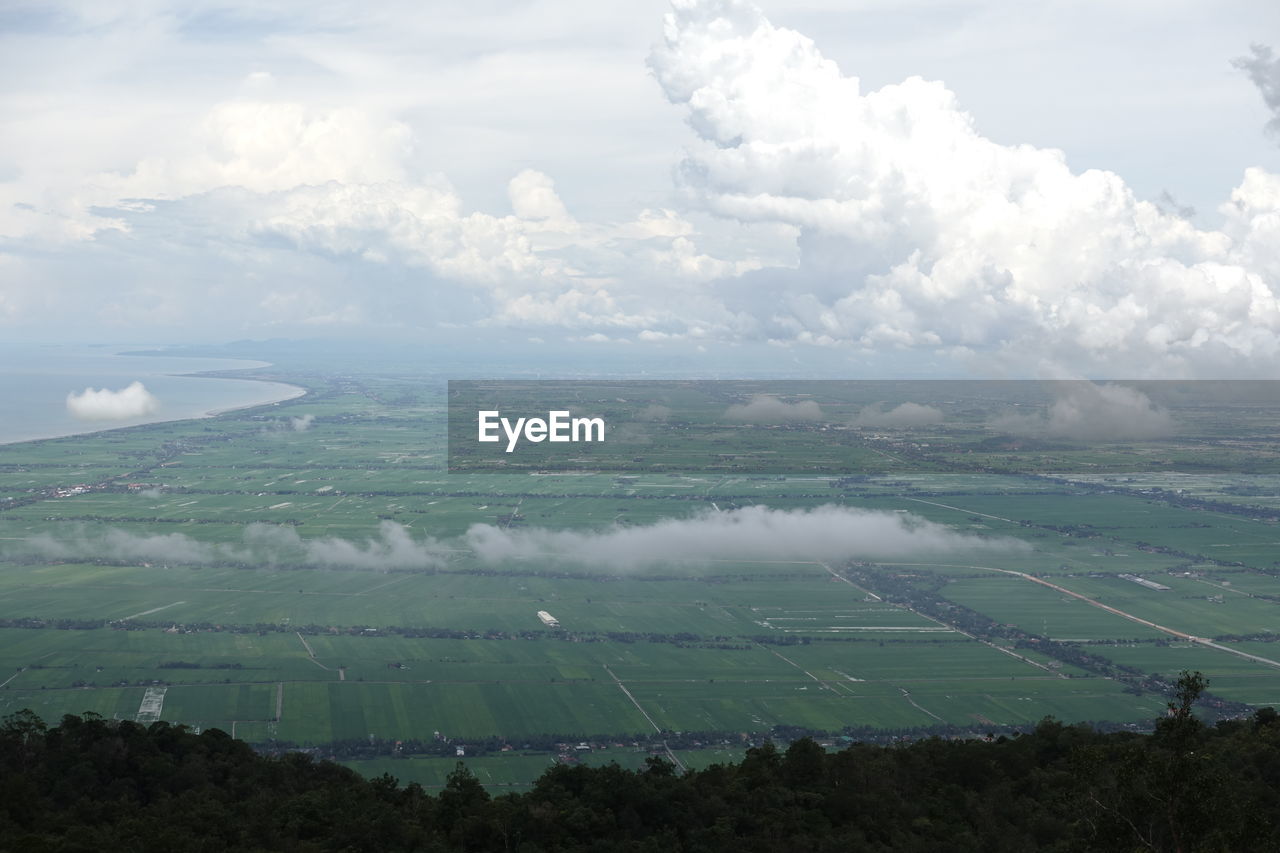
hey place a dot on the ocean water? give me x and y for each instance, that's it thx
(36, 379)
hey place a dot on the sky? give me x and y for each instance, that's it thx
(1049, 189)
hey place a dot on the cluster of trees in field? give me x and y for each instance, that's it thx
(94, 784)
(682, 639)
(1260, 637)
(653, 742)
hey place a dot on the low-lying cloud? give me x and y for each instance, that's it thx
(393, 548)
(1090, 412)
(756, 533)
(279, 428)
(269, 545)
(901, 416)
(132, 401)
(767, 409)
(654, 412)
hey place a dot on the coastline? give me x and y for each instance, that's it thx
(213, 413)
(284, 392)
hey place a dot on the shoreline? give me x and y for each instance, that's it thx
(297, 392)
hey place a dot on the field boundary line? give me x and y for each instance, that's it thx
(149, 612)
(1010, 652)
(783, 657)
(906, 694)
(627, 693)
(675, 759)
(962, 509)
(311, 655)
(1174, 632)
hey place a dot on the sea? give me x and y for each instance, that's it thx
(35, 380)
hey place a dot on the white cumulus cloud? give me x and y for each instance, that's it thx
(916, 231)
(93, 404)
(465, 184)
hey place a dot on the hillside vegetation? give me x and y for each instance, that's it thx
(92, 784)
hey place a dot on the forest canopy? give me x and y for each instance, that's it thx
(94, 784)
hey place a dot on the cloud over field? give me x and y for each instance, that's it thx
(1090, 412)
(261, 545)
(826, 533)
(902, 415)
(392, 548)
(92, 404)
(654, 412)
(767, 409)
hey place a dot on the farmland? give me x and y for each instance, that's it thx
(323, 588)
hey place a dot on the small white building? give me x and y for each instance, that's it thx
(548, 620)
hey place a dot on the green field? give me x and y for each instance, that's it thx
(319, 588)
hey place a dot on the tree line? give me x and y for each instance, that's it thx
(94, 784)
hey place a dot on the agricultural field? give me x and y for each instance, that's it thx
(337, 588)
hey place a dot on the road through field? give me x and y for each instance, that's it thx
(311, 656)
(152, 610)
(675, 759)
(1174, 632)
(1002, 649)
(962, 509)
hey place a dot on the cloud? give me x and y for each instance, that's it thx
(117, 544)
(767, 409)
(132, 401)
(296, 423)
(654, 412)
(918, 232)
(254, 179)
(757, 533)
(267, 146)
(262, 545)
(393, 548)
(1263, 68)
(1091, 412)
(533, 197)
(827, 533)
(902, 415)
(811, 209)
(1170, 206)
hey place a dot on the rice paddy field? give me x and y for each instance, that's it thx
(337, 585)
